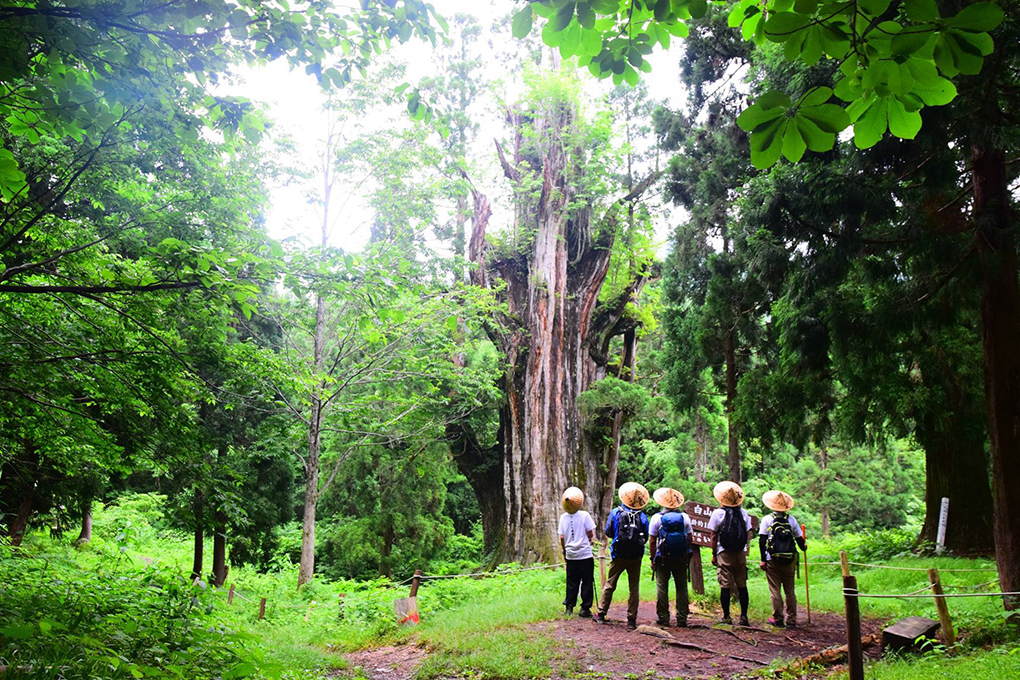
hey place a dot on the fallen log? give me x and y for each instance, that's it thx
(826, 657)
(673, 642)
(751, 641)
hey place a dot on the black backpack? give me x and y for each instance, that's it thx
(630, 534)
(780, 541)
(733, 532)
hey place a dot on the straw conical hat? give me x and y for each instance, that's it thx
(573, 498)
(780, 501)
(729, 494)
(633, 495)
(668, 498)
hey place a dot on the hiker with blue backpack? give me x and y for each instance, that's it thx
(669, 545)
(731, 531)
(777, 535)
(628, 527)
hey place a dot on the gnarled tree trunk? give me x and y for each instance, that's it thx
(1000, 316)
(554, 337)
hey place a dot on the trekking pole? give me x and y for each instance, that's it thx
(602, 560)
(807, 583)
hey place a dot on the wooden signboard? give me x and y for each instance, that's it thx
(700, 514)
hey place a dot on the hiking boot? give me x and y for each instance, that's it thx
(778, 623)
(585, 613)
(743, 620)
(727, 620)
(600, 618)
(664, 624)
(631, 624)
(791, 623)
(568, 611)
(681, 623)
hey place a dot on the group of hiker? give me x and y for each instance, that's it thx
(669, 537)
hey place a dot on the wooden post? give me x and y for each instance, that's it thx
(855, 652)
(602, 561)
(697, 572)
(844, 563)
(807, 581)
(415, 582)
(262, 609)
(943, 608)
(309, 612)
(230, 595)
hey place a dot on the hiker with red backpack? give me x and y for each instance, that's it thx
(669, 545)
(628, 527)
(777, 535)
(731, 531)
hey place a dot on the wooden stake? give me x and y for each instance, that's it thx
(807, 582)
(262, 609)
(855, 651)
(602, 561)
(844, 563)
(230, 595)
(415, 582)
(943, 608)
(697, 572)
(309, 612)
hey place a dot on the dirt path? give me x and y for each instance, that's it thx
(386, 663)
(596, 652)
(612, 651)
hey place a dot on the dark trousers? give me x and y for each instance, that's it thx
(663, 573)
(580, 575)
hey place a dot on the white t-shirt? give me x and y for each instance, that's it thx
(768, 520)
(574, 532)
(716, 520)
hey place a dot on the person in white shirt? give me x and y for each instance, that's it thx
(669, 544)
(731, 531)
(577, 530)
(776, 537)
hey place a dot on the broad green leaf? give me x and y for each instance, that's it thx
(772, 99)
(767, 143)
(940, 92)
(818, 140)
(781, 25)
(980, 17)
(522, 21)
(563, 16)
(816, 96)
(909, 42)
(871, 125)
(585, 15)
(828, 117)
(920, 11)
(753, 116)
(794, 145)
(902, 123)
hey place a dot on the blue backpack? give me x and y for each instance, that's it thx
(672, 545)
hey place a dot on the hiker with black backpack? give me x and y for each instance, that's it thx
(669, 544)
(731, 534)
(628, 527)
(777, 535)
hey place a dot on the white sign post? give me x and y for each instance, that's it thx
(940, 541)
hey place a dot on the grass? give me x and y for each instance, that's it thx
(471, 627)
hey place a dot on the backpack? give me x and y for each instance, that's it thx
(780, 542)
(672, 545)
(733, 532)
(630, 534)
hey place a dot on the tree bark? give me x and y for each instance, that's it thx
(554, 337)
(701, 439)
(956, 465)
(85, 535)
(824, 455)
(1000, 315)
(733, 458)
(196, 564)
(19, 480)
(219, 562)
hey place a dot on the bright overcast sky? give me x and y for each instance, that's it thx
(295, 102)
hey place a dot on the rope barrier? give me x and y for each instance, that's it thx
(888, 566)
(487, 574)
(848, 592)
